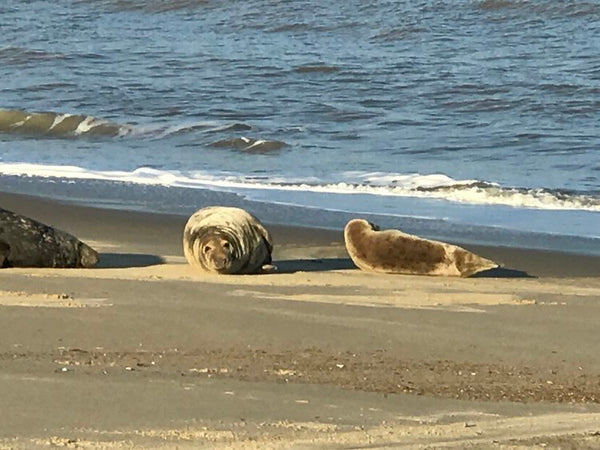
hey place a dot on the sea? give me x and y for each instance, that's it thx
(463, 120)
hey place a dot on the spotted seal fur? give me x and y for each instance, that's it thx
(392, 251)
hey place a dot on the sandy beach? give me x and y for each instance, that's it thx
(145, 352)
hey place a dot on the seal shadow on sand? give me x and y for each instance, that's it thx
(326, 264)
(126, 260)
(502, 272)
(313, 265)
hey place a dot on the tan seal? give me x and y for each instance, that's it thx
(392, 251)
(227, 240)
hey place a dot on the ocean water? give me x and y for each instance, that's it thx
(456, 119)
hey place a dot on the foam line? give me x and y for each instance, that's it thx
(435, 186)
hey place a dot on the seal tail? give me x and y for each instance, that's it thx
(469, 263)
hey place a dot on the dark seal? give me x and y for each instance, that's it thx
(25, 242)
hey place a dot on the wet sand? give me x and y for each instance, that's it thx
(145, 352)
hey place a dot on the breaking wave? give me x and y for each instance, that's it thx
(52, 124)
(17, 56)
(434, 186)
(55, 124)
(250, 145)
(151, 6)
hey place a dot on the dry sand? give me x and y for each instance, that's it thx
(144, 352)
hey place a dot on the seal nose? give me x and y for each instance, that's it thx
(221, 262)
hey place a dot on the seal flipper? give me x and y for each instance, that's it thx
(4, 253)
(264, 233)
(268, 268)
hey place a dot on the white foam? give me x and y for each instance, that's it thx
(58, 119)
(22, 122)
(254, 144)
(409, 181)
(161, 131)
(434, 186)
(86, 125)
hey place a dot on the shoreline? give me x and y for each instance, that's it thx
(145, 352)
(173, 201)
(91, 223)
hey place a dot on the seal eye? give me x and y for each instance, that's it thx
(207, 248)
(226, 245)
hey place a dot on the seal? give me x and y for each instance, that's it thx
(392, 251)
(25, 242)
(227, 240)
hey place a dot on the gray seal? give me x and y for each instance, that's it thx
(25, 242)
(227, 240)
(393, 251)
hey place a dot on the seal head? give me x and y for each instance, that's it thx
(88, 257)
(215, 251)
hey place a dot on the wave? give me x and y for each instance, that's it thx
(56, 124)
(163, 131)
(553, 9)
(250, 145)
(321, 68)
(52, 124)
(433, 186)
(17, 56)
(151, 6)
